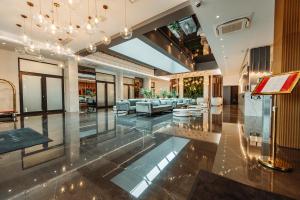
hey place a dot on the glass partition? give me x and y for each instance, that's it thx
(100, 94)
(110, 94)
(131, 92)
(125, 92)
(32, 93)
(54, 93)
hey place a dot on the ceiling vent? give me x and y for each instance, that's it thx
(233, 25)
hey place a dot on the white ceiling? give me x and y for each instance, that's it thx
(141, 10)
(230, 57)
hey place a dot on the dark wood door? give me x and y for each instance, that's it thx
(234, 95)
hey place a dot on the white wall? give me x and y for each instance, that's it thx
(161, 85)
(231, 79)
(9, 71)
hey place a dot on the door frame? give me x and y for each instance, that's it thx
(43, 93)
(105, 93)
(129, 93)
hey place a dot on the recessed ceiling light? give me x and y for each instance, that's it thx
(217, 16)
(4, 43)
(221, 39)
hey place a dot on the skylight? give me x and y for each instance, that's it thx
(141, 51)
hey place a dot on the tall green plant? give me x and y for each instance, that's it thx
(147, 93)
(164, 93)
(173, 94)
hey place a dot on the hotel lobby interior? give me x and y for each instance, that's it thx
(149, 99)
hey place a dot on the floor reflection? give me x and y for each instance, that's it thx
(104, 156)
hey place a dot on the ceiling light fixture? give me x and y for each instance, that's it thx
(91, 48)
(105, 39)
(126, 33)
(39, 18)
(217, 16)
(60, 29)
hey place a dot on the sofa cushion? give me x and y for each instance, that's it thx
(155, 102)
(133, 101)
(164, 102)
(180, 100)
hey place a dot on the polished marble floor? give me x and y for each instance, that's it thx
(103, 156)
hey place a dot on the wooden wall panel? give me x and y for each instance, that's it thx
(287, 58)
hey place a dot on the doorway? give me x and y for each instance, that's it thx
(105, 94)
(41, 93)
(230, 95)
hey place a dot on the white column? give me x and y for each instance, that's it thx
(147, 83)
(181, 87)
(119, 86)
(72, 137)
(211, 88)
(71, 86)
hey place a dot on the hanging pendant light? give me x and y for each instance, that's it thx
(126, 32)
(96, 18)
(105, 38)
(24, 36)
(70, 29)
(30, 47)
(89, 26)
(39, 18)
(53, 27)
(91, 48)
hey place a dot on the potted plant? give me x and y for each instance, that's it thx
(164, 93)
(147, 93)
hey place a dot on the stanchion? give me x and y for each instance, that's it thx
(271, 161)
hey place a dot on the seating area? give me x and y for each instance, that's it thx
(151, 106)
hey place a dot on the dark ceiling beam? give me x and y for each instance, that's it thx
(206, 66)
(162, 44)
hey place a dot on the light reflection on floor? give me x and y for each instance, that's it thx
(88, 151)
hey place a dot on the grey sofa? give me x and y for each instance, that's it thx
(127, 105)
(155, 106)
(181, 102)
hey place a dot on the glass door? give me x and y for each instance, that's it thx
(32, 93)
(101, 95)
(125, 92)
(41, 93)
(105, 94)
(54, 94)
(131, 91)
(110, 94)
